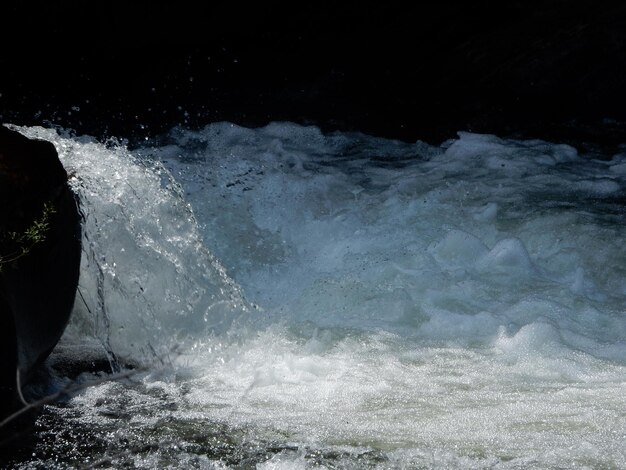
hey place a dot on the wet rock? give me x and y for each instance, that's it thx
(40, 246)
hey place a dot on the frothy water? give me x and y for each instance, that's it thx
(298, 300)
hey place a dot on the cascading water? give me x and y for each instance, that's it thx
(342, 301)
(147, 282)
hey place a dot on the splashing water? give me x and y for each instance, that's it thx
(344, 301)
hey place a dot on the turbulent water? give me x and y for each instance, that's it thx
(291, 299)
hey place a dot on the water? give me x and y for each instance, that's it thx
(290, 299)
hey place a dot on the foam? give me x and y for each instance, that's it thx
(476, 250)
(507, 256)
(457, 306)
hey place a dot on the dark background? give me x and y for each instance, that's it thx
(549, 69)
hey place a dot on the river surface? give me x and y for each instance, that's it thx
(292, 299)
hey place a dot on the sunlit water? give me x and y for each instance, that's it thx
(292, 300)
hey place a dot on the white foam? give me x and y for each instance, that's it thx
(508, 255)
(459, 306)
(456, 249)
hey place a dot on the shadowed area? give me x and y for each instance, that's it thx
(552, 70)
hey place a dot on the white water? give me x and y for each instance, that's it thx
(350, 302)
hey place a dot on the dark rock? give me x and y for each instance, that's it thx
(39, 265)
